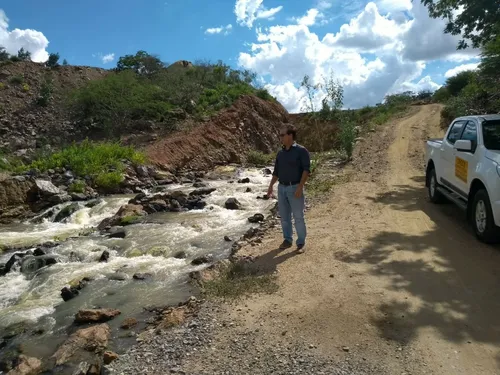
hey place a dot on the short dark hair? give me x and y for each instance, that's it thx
(291, 130)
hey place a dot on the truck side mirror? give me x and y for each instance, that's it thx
(463, 145)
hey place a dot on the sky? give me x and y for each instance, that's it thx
(373, 48)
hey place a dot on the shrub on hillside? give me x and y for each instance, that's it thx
(17, 79)
(53, 60)
(4, 56)
(118, 99)
(129, 95)
(24, 55)
(45, 92)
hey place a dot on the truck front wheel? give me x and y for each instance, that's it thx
(482, 218)
(434, 195)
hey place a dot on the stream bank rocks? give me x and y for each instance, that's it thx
(28, 262)
(143, 204)
(95, 315)
(83, 351)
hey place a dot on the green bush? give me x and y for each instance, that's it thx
(17, 80)
(109, 180)
(141, 88)
(264, 94)
(2, 86)
(118, 99)
(77, 187)
(26, 87)
(260, 159)
(53, 60)
(45, 92)
(347, 137)
(102, 162)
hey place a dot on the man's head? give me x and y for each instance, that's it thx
(288, 135)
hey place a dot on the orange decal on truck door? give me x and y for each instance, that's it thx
(461, 169)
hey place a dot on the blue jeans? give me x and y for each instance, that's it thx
(288, 205)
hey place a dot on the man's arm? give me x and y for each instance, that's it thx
(274, 179)
(305, 162)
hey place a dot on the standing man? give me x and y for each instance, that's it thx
(291, 169)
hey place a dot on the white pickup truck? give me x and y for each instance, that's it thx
(464, 167)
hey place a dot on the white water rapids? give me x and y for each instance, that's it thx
(150, 248)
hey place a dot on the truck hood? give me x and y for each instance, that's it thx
(493, 155)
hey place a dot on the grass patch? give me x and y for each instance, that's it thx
(103, 163)
(259, 159)
(237, 280)
(77, 187)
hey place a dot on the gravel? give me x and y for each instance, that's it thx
(211, 344)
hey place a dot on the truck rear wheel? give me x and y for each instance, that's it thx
(482, 218)
(434, 195)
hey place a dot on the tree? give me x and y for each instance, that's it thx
(457, 83)
(476, 20)
(4, 56)
(65, 62)
(311, 92)
(142, 63)
(24, 55)
(490, 62)
(53, 60)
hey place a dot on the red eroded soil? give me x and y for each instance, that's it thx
(250, 124)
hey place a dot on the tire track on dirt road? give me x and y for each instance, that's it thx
(401, 283)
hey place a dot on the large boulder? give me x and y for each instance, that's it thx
(126, 215)
(84, 348)
(46, 188)
(257, 218)
(31, 264)
(232, 204)
(95, 316)
(202, 191)
(66, 212)
(26, 366)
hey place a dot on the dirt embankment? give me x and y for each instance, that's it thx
(250, 124)
(26, 125)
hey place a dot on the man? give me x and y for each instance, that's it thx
(291, 169)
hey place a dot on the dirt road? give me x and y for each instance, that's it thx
(388, 278)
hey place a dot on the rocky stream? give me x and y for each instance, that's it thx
(83, 255)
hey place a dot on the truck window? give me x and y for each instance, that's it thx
(456, 131)
(470, 134)
(491, 135)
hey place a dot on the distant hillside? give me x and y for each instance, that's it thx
(26, 125)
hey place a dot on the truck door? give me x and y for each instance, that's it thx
(465, 162)
(447, 176)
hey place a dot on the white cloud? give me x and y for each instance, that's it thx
(106, 59)
(310, 18)
(425, 39)
(461, 68)
(218, 30)
(383, 49)
(392, 6)
(248, 11)
(369, 31)
(31, 40)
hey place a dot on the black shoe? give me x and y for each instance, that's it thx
(301, 249)
(285, 245)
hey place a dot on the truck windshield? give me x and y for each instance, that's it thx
(491, 134)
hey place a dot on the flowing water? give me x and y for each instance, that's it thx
(33, 299)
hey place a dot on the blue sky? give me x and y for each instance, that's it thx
(372, 48)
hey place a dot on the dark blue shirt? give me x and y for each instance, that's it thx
(290, 164)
